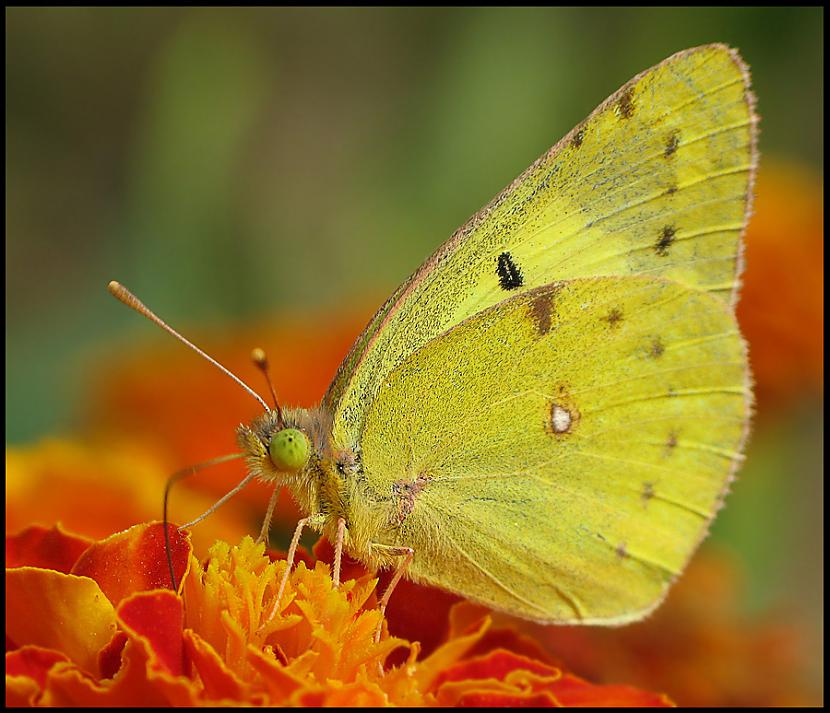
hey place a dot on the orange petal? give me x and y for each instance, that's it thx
(497, 664)
(109, 658)
(157, 619)
(497, 699)
(431, 668)
(573, 691)
(21, 692)
(219, 681)
(33, 664)
(417, 613)
(134, 560)
(137, 683)
(510, 640)
(58, 611)
(46, 548)
(280, 682)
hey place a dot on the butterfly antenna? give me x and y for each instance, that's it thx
(261, 360)
(177, 476)
(122, 294)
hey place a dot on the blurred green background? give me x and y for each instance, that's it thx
(228, 165)
(197, 154)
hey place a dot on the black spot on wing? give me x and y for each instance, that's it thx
(510, 276)
(578, 138)
(664, 242)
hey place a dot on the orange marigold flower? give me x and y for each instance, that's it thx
(109, 632)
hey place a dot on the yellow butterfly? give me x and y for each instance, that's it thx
(546, 416)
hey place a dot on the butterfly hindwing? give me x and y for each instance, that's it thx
(560, 455)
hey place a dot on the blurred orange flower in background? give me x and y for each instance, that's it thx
(130, 639)
(781, 310)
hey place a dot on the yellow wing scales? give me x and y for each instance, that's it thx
(657, 181)
(551, 485)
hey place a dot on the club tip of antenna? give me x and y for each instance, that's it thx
(117, 290)
(258, 357)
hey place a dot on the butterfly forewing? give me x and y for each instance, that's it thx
(657, 181)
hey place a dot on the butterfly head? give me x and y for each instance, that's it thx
(286, 447)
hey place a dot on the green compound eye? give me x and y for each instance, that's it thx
(289, 449)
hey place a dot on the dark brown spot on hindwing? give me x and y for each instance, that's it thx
(671, 443)
(614, 317)
(672, 142)
(625, 104)
(664, 242)
(510, 276)
(540, 312)
(656, 349)
(577, 138)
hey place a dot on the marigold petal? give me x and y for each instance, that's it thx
(99, 488)
(36, 599)
(521, 690)
(33, 662)
(110, 657)
(134, 560)
(571, 690)
(417, 613)
(494, 699)
(136, 683)
(153, 659)
(280, 681)
(496, 664)
(45, 547)
(157, 619)
(218, 680)
(431, 668)
(511, 640)
(361, 693)
(21, 692)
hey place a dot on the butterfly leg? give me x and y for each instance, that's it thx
(407, 553)
(311, 521)
(338, 551)
(266, 524)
